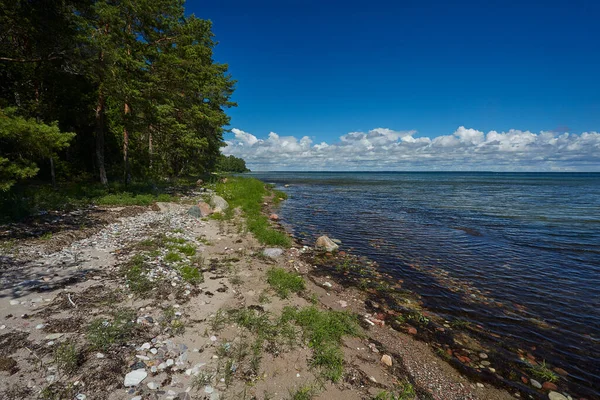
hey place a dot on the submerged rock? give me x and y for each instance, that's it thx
(325, 243)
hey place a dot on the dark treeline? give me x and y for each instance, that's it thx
(231, 164)
(108, 90)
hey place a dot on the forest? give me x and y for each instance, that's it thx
(108, 91)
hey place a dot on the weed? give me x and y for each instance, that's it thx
(324, 331)
(172, 257)
(263, 297)
(418, 318)
(283, 282)
(460, 324)
(305, 392)
(403, 391)
(191, 274)
(46, 236)
(104, 333)
(187, 249)
(542, 372)
(177, 327)
(66, 357)
(203, 379)
(236, 280)
(202, 239)
(219, 321)
(135, 272)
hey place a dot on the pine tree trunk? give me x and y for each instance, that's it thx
(126, 147)
(100, 137)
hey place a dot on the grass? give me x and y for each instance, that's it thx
(66, 357)
(135, 272)
(324, 331)
(306, 392)
(191, 274)
(173, 256)
(105, 333)
(285, 282)
(248, 194)
(543, 372)
(403, 391)
(169, 320)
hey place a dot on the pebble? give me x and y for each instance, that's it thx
(480, 385)
(556, 396)
(170, 362)
(387, 360)
(208, 389)
(141, 357)
(535, 384)
(136, 398)
(483, 355)
(2, 327)
(81, 396)
(343, 303)
(146, 346)
(153, 351)
(135, 377)
(327, 284)
(40, 326)
(213, 338)
(14, 302)
(99, 355)
(152, 385)
(53, 336)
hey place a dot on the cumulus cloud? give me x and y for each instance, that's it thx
(388, 150)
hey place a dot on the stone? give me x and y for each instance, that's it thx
(412, 330)
(170, 362)
(272, 252)
(53, 336)
(561, 371)
(146, 346)
(195, 211)
(274, 217)
(14, 302)
(81, 396)
(549, 386)
(205, 209)
(556, 396)
(535, 384)
(343, 303)
(480, 385)
(218, 201)
(327, 284)
(153, 385)
(326, 244)
(387, 360)
(99, 355)
(135, 377)
(483, 356)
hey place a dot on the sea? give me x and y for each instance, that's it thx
(516, 253)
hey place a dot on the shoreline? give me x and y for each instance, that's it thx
(233, 278)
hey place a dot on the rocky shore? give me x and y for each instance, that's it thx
(174, 301)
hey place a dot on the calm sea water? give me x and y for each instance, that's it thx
(516, 253)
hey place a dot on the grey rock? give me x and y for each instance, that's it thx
(272, 252)
(535, 384)
(136, 377)
(195, 211)
(219, 202)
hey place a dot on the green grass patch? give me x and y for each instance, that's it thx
(104, 333)
(173, 256)
(191, 274)
(187, 249)
(403, 391)
(285, 282)
(135, 272)
(248, 194)
(306, 392)
(324, 331)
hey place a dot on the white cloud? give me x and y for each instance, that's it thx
(386, 149)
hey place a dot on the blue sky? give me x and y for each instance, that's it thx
(323, 69)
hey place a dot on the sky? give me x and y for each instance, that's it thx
(411, 85)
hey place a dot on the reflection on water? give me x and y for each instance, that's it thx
(517, 253)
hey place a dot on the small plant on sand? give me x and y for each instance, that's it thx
(46, 236)
(103, 333)
(219, 320)
(187, 249)
(324, 331)
(543, 372)
(204, 378)
(306, 392)
(284, 282)
(403, 391)
(66, 357)
(263, 297)
(135, 272)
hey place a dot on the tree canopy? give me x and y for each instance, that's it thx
(135, 80)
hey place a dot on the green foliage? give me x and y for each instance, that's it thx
(135, 272)
(403, 391)
(191, 274)
(284, 282)
(66, 357)
(248, 194)
(324, 331)
(543, 372)
(306, 392)
(231, 164)
(103, 333)
(23, 144)
(173, 256)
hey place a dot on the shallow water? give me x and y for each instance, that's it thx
(516, 253)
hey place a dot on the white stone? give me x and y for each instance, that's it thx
(146, 346)
(152, 385)
(53, 336)
(170, 362)
(135, 377)
(143, 358)
(14, 302)
(99, 355)
(556, 396)
(40, 326)
(153, 351)
(327, 284)
(81, 396)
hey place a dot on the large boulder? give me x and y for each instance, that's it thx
(195, 211)
(326, 244)
(219, 202)
(205, 209)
